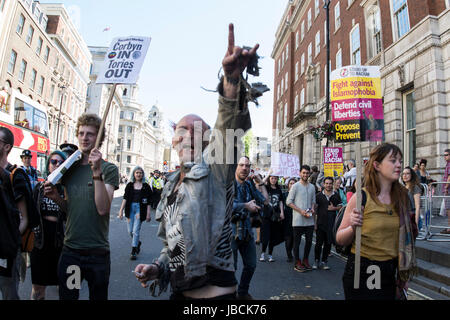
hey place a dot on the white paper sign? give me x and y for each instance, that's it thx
(124, 60)
(285, 165)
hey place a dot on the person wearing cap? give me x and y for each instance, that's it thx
(68, 148)
(28, 168)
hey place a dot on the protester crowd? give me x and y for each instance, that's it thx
(208, 214)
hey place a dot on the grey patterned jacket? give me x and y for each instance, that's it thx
(205, 197)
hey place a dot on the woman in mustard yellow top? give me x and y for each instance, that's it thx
(387, 240)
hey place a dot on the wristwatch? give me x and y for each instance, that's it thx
(99, 178)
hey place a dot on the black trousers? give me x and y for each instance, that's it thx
(323, 245)
(298, 233)
(366, 291)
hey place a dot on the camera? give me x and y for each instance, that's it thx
(255, 219)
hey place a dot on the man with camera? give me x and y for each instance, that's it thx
(247, 205)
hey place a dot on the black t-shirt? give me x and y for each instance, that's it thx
(275, 196)
(322, 210)
(136, 196)
(48, 207)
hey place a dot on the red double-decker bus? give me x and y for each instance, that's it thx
(28, 121)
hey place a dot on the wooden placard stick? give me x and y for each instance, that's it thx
(105, 115)
(358, 207)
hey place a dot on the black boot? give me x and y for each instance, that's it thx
(133, 253)
(138, 249)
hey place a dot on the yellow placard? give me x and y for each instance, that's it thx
(356, 87)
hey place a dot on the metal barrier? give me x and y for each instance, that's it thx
(434, 200)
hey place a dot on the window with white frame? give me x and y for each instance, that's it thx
(2, 5)
(296, 103)
(316, 8)
(302, 98)
(310, 53)
(355, 47)
(349, 2)
(285, 115)
(20, 25)
(296, 71)
(287, 51)
(279, 65)
(317, 43)
(302, 64)
(39, 46)
(303, 30)
(286, 81)
(282, 85)
(297, 39)
(309, 19)
(22, 70)
(277, 125)
(374, 31)
(282, 59)
(30, 34)
(324, 32)
(12, 62)
(40, 88)
(339, 59)
(409, 128)
(33, 79)
(337, 16)
(401, 17)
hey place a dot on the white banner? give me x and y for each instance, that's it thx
(285, 165)
(124, 60)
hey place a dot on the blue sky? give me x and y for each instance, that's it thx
(189, 40)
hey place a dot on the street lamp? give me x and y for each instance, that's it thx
(327, 107)
(63, 88)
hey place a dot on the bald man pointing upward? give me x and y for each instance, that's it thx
(197, 201)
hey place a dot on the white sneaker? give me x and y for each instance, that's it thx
(262, 259)
(271, 259)
(325, 266)
(315, 265)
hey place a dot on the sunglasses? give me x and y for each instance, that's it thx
(445, 154)
(55, 162)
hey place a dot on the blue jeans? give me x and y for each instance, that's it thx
(247, 249)
(94, 267)
(134, 223)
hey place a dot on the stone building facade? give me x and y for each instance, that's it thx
(409, 40)
(71, 65)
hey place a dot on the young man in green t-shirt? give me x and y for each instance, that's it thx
(90, 185)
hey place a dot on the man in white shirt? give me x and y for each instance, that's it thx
(301, 199)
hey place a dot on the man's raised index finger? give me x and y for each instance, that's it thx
(230, 38)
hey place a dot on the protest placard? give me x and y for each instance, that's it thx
(123, 60)
(333, 162)
(285, 165)
(357, 107)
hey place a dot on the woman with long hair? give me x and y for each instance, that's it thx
(272, 228)
(424, 176)
(411, 182)
(49, 236)
(136, 202)
(387, 232)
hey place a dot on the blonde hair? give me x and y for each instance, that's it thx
(90, 119)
